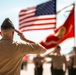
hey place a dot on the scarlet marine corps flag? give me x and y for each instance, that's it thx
(61, 34)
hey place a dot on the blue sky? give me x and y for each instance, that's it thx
(11, 8)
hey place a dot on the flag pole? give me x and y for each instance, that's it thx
(65, 8)
(74, 27)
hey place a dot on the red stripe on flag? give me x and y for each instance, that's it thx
(36, 29)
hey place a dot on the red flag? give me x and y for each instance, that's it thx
(40, 17)
(61, 34)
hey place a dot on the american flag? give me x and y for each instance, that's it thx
(40, 17)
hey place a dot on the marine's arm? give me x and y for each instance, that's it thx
(23, 37)
(65, 62)
(33, 44)
(51, 54)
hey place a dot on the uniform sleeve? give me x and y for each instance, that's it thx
(51, 55)
(31, 48)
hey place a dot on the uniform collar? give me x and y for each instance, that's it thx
(7, 38)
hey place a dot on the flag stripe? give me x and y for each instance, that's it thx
(26, 13)
(38, 25)
(36, 29)
(26, 16)
(28, 10)
(29, 29)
